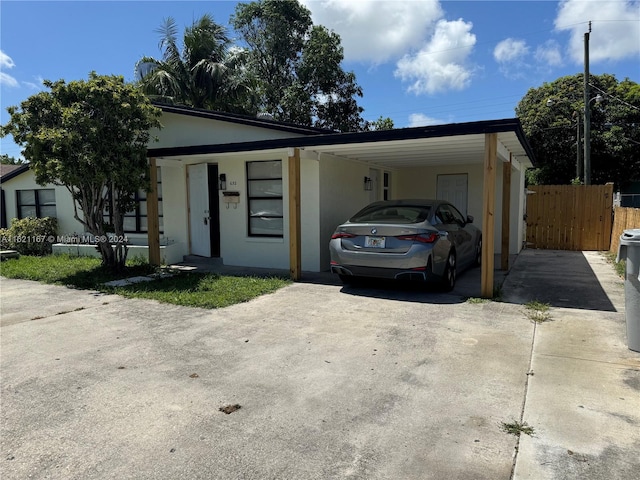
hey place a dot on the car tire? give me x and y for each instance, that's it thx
(449, 276)
(478, 261)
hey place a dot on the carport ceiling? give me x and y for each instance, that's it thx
(411, 153)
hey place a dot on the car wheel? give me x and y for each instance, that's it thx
(478, 261)
(449, 277)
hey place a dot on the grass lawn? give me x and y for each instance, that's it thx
(190, 289)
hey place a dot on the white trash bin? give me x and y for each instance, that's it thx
(629, 249)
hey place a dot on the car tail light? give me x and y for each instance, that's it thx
(342, 235)
(422, 237)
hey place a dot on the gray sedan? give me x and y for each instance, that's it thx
(423, 240)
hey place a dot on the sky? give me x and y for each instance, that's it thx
(419, 62)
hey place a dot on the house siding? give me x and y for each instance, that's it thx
(180, 130)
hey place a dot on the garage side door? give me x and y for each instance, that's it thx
(453, 189)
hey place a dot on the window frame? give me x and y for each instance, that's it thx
(259, 197)
(139, 197)
(38, 204)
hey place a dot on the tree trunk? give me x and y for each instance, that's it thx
(120, 245)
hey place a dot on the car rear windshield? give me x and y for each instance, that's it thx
(391, 214)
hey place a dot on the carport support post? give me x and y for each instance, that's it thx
(295, 243)
(506, 214)
(488, 209)
(153, 222)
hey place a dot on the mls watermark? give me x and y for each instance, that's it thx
(66, 239)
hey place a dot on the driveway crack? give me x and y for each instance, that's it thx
(524, 400)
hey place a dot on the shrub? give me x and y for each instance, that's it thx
(30, 236)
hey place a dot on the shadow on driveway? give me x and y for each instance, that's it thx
(560, 278)
(557, 277)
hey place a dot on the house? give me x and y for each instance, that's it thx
(255, 192)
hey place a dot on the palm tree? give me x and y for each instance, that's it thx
(206, 73)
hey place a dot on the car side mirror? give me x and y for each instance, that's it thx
(469, 218)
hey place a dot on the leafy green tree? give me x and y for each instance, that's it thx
(552, 114)
(8, 160)
(205, 73)
(90, 136)
(296, 66)
(380, 124)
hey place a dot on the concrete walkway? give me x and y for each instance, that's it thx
(332, 382)
(583, 393)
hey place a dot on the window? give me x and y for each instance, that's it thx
(386, 186)
(449, 215)
(135, 220)
(36, 203)
(395, 214)
(264, 192)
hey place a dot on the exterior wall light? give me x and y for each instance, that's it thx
(368, 183)
(223, 181)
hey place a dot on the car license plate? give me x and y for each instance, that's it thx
(374, 242)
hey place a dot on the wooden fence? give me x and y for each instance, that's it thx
(570, 217)
(623, 219)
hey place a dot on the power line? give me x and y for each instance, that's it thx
(609, 95)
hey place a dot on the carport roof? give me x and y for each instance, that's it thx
(405, 147)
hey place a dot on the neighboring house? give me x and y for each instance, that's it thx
(261, 193)
(630, 195)
(22, 197)
(6, 172)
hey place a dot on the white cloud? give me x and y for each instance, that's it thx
(442, 63)
(512, 56)
(380, 31)
(8, 80)
(549, 54)
(422, 120)
(32, 86)
(510, 50)
(615, 31)
(5, 63)
(376, 31)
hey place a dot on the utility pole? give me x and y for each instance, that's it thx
(579, 164)
(587, 112)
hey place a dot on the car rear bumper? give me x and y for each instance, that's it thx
(377, 272)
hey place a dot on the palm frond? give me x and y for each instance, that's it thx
(168, 40)
(144, 67)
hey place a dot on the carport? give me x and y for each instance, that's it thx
(497, 147)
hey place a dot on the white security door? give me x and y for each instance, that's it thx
(453, 189)
(199, 217)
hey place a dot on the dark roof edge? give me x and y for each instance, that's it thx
(14, 173)
(241, 119)
(454, 129)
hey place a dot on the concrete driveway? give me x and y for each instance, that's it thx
(332, 383)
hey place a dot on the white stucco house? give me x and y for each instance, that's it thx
(256, 192)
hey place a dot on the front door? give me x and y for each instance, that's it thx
(204, 219)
